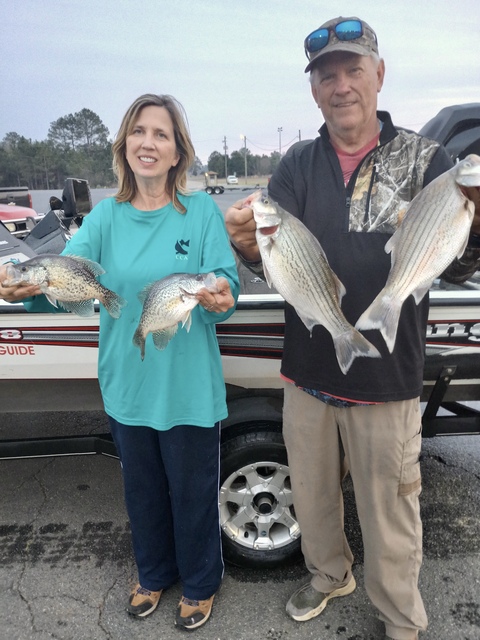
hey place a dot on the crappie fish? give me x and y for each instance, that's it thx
(296, 265)
(433, 232)
(167, 302)
(69, 280)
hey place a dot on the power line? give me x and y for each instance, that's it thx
(271, 147)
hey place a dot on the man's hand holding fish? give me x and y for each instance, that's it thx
(241, 227)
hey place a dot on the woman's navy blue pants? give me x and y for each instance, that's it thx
(171, 481)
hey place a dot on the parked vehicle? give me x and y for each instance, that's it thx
(48, 363)
(232, 180)
(457, 128)
(211, 183)
(19, 196)
(17, 219)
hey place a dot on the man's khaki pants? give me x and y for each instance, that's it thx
(380, 446)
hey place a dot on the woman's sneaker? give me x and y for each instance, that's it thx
(143, 602)
(193, 613)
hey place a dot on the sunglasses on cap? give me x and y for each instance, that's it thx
(344, 31)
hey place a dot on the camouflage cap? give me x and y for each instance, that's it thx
(363, 45)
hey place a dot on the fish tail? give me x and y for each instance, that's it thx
(382, 314)
(113, 303)
(350, 345)
(139, 341)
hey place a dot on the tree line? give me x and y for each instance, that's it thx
(78, 146)
(235, 164)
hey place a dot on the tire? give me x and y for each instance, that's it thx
(257, 518)
(209, 190)
(217, 191)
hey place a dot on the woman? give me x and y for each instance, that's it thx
(164, 411)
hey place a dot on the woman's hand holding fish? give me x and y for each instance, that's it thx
(218, 302)
(241, 228)
(16, 292)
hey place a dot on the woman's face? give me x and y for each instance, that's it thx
(150, 147)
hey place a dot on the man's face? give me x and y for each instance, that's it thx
(345, 87)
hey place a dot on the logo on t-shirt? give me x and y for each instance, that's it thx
(181, 249)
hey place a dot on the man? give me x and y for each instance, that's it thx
(350, 186)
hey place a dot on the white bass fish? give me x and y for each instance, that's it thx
(69, 280)
(433, 232)
(167, 302)
(296, 265)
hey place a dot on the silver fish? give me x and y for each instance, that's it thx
(167, 302)
(433, 232)
(67, 280)
(296, 265)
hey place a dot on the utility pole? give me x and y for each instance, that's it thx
(245, 153)
(280, 129)
(225, 148)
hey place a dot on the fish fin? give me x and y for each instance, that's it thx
(84, 308)
(421, 292)
(350, 345)
(113, 303)
(187, 320)
(390, 244)
(339, 287)
(92, 266)
(52, 300)
(307, 321)
(139, 341)
(142, 295)
(268, 279)
(383, 314)
(163, 337)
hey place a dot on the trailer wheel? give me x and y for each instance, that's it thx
(209, 190)
(257, 517)
(217, 190)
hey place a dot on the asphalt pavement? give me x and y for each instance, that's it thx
(66, 562)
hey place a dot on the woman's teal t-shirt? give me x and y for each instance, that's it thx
(182, 384)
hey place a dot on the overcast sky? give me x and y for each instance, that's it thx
(236, 66)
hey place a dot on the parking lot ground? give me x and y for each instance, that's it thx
(66, 563)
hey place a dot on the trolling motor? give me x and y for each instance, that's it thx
(52, 232)
(76, 201)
